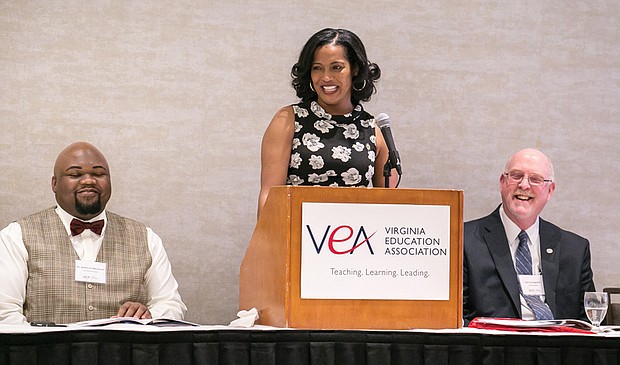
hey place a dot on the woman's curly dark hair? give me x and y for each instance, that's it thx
(367, 73)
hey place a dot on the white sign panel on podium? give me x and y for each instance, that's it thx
(375, 251)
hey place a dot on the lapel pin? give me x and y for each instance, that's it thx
(549, 250)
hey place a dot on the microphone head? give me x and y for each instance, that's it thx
(382, 120)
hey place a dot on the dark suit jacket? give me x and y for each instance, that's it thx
(490, 283)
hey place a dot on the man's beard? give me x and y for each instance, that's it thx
(88, 209)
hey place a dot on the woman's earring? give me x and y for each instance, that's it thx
(311, 88)
(361, 88)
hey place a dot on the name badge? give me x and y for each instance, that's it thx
(531, 284)
(90, 271)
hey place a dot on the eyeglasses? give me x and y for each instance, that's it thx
(515, 177)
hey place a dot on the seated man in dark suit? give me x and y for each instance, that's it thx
(520, 266)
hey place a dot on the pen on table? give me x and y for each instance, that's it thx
(46, 324)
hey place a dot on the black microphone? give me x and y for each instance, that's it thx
(383, 122)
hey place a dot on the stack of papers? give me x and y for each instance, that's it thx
(520, 325)
(159, 322)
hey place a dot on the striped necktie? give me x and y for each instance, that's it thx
(523, 266)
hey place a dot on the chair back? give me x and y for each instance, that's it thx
(613, 311)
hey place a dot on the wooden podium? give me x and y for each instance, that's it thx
(270, 273)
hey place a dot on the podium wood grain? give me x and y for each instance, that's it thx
(270, 274)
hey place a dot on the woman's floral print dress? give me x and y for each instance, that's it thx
(332, 150)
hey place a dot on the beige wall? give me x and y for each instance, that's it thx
(177, 94)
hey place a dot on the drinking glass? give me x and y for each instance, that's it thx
(595, 304)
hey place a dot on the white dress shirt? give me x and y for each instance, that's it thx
(162, 288)
(512, 233)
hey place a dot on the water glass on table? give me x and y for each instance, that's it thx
(596, 304)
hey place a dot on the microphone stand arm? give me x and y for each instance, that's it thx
(387, 172)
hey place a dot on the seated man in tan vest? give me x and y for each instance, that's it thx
(79, 262)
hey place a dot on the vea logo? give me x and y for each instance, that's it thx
(341, 239)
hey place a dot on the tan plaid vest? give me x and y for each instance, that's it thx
(52, 294)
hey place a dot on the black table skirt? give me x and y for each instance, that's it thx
(302, 347)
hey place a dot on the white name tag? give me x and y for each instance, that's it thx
(531, 284)
(90, 271)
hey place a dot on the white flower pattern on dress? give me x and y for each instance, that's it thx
(324, 125)
(299, 111)
(370, 173)
(319, 111)
(341, 153)
(371, 155)
(295, 160)
(316, 162)
(350, 131)
(312, 142)
(331, 150)
(316, 178)
(351, 176)
(294, 180)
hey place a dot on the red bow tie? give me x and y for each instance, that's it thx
(77, 226)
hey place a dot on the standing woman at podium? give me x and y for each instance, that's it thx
(326, 139)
